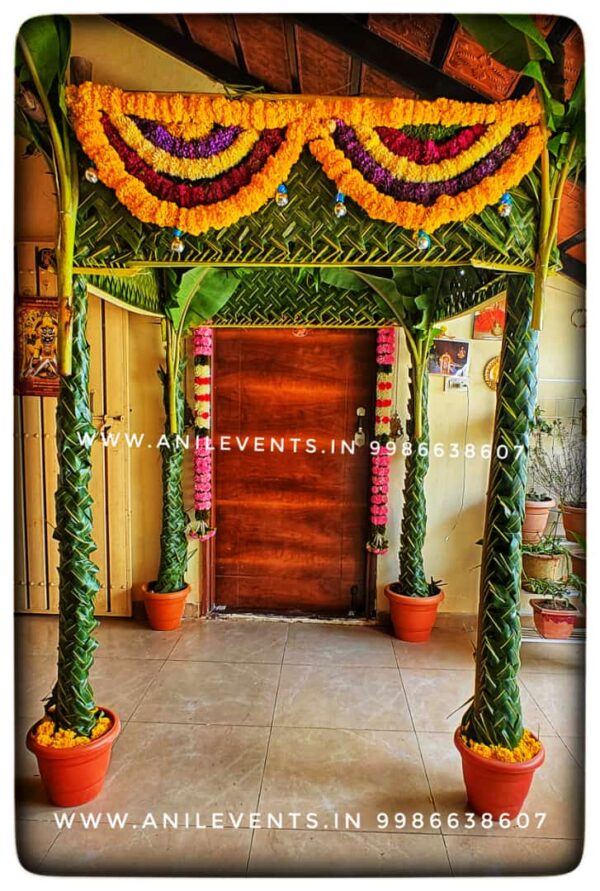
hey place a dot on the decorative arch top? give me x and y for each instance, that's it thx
(200, 162)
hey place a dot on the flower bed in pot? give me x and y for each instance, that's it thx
(73, 767)
(498, 779)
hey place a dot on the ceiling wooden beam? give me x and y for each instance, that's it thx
(186, 50)
(391, 60)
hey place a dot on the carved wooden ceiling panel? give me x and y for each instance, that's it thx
(468, 62)
(413, 32)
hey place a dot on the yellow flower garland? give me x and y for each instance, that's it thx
(307, 121)
(185, 168)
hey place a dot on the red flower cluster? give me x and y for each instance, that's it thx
(427, 151)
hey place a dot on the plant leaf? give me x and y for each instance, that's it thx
(43, 42)
(502, 40)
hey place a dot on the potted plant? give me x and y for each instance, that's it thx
(191, 298)
(544, 559)
(559, 457)
(74, 739)
(537, 510)
(414, 296)
(554, 614)
(499, 756)
(579, 557)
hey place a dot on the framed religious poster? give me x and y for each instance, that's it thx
(449, 357)
(37, 331)
(489, 323)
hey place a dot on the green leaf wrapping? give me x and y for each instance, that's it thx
(495, 718)
(414, 512)
(173, 539)
(72, 695)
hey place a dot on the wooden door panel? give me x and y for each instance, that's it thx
(292, 524)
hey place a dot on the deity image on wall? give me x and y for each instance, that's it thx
(449, 357)
(489, 323)
(37, 332)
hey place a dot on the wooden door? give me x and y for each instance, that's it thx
(291, 500)
(36, 551)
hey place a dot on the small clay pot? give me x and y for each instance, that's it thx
(496, 787)
(543, 566)
(75, 775)
(164, 610)
(574, 520)
(536, 519)
(556, 624)
(413, 617)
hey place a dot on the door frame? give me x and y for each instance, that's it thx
(208, 562)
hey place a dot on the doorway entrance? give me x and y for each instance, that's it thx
(291, 484)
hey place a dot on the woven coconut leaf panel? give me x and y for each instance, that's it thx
(306, 232)
(140, 290)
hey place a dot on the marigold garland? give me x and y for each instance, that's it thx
(199, 525)
(528, 748)
(198, 162)
(377, 542)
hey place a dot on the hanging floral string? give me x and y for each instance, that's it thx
(199, 525)
(380, 459)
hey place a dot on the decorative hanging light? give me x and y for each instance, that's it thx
(281, 196)
(91, 174)
(340, 209)
(177, 244)
(505, 205)
(423, 240)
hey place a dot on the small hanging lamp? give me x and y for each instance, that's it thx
(177, 244)
(423, 240)
(91, 174)
(505, 205)
(281, 195)
(340, 209)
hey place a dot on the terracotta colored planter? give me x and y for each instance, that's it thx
(496, 787)
(574, 521)
(536, 519)
(164, 611)
(74, 776)
(543, 566)
(579, 564)
(413, 617)
(556, 624)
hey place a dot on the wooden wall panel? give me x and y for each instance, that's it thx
(212, 32)
(35, 508)
(95, 327)
(50, 480)
(323, 67)
(21, 590)
(265, 49)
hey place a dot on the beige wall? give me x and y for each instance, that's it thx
(450, 550)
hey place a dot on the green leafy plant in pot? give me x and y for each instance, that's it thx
(537, 504)
(191, 299)
(73, 742)
(545, 558)
(414, 298)
(554, 613)
(494, 718)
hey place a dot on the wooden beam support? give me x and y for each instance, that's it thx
(390, 60)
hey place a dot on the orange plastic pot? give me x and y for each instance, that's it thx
(496, 787)
(555, 624)
(164, 611)
(574, 521)
(413, 617)
(579, 564)
(76, 775)
(536, 519)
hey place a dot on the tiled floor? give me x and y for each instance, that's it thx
(244, 717)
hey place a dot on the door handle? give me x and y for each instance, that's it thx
(359, 436)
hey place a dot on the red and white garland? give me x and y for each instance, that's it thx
(380, 459)
(199, 526)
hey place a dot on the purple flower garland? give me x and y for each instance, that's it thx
(219, 139)
(428, 192)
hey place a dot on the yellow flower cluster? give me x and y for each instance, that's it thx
(307, 121)
(47, 734)
(527, 749)
(185, 168)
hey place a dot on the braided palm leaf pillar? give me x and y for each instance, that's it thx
(414, 512)
(495, 715)
(72, 695)
(173, 539)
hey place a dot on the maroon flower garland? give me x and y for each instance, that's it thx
(377, 542)
(429, 151)
(199, 526)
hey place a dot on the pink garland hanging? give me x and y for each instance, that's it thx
(380, 459)
(200, 525)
